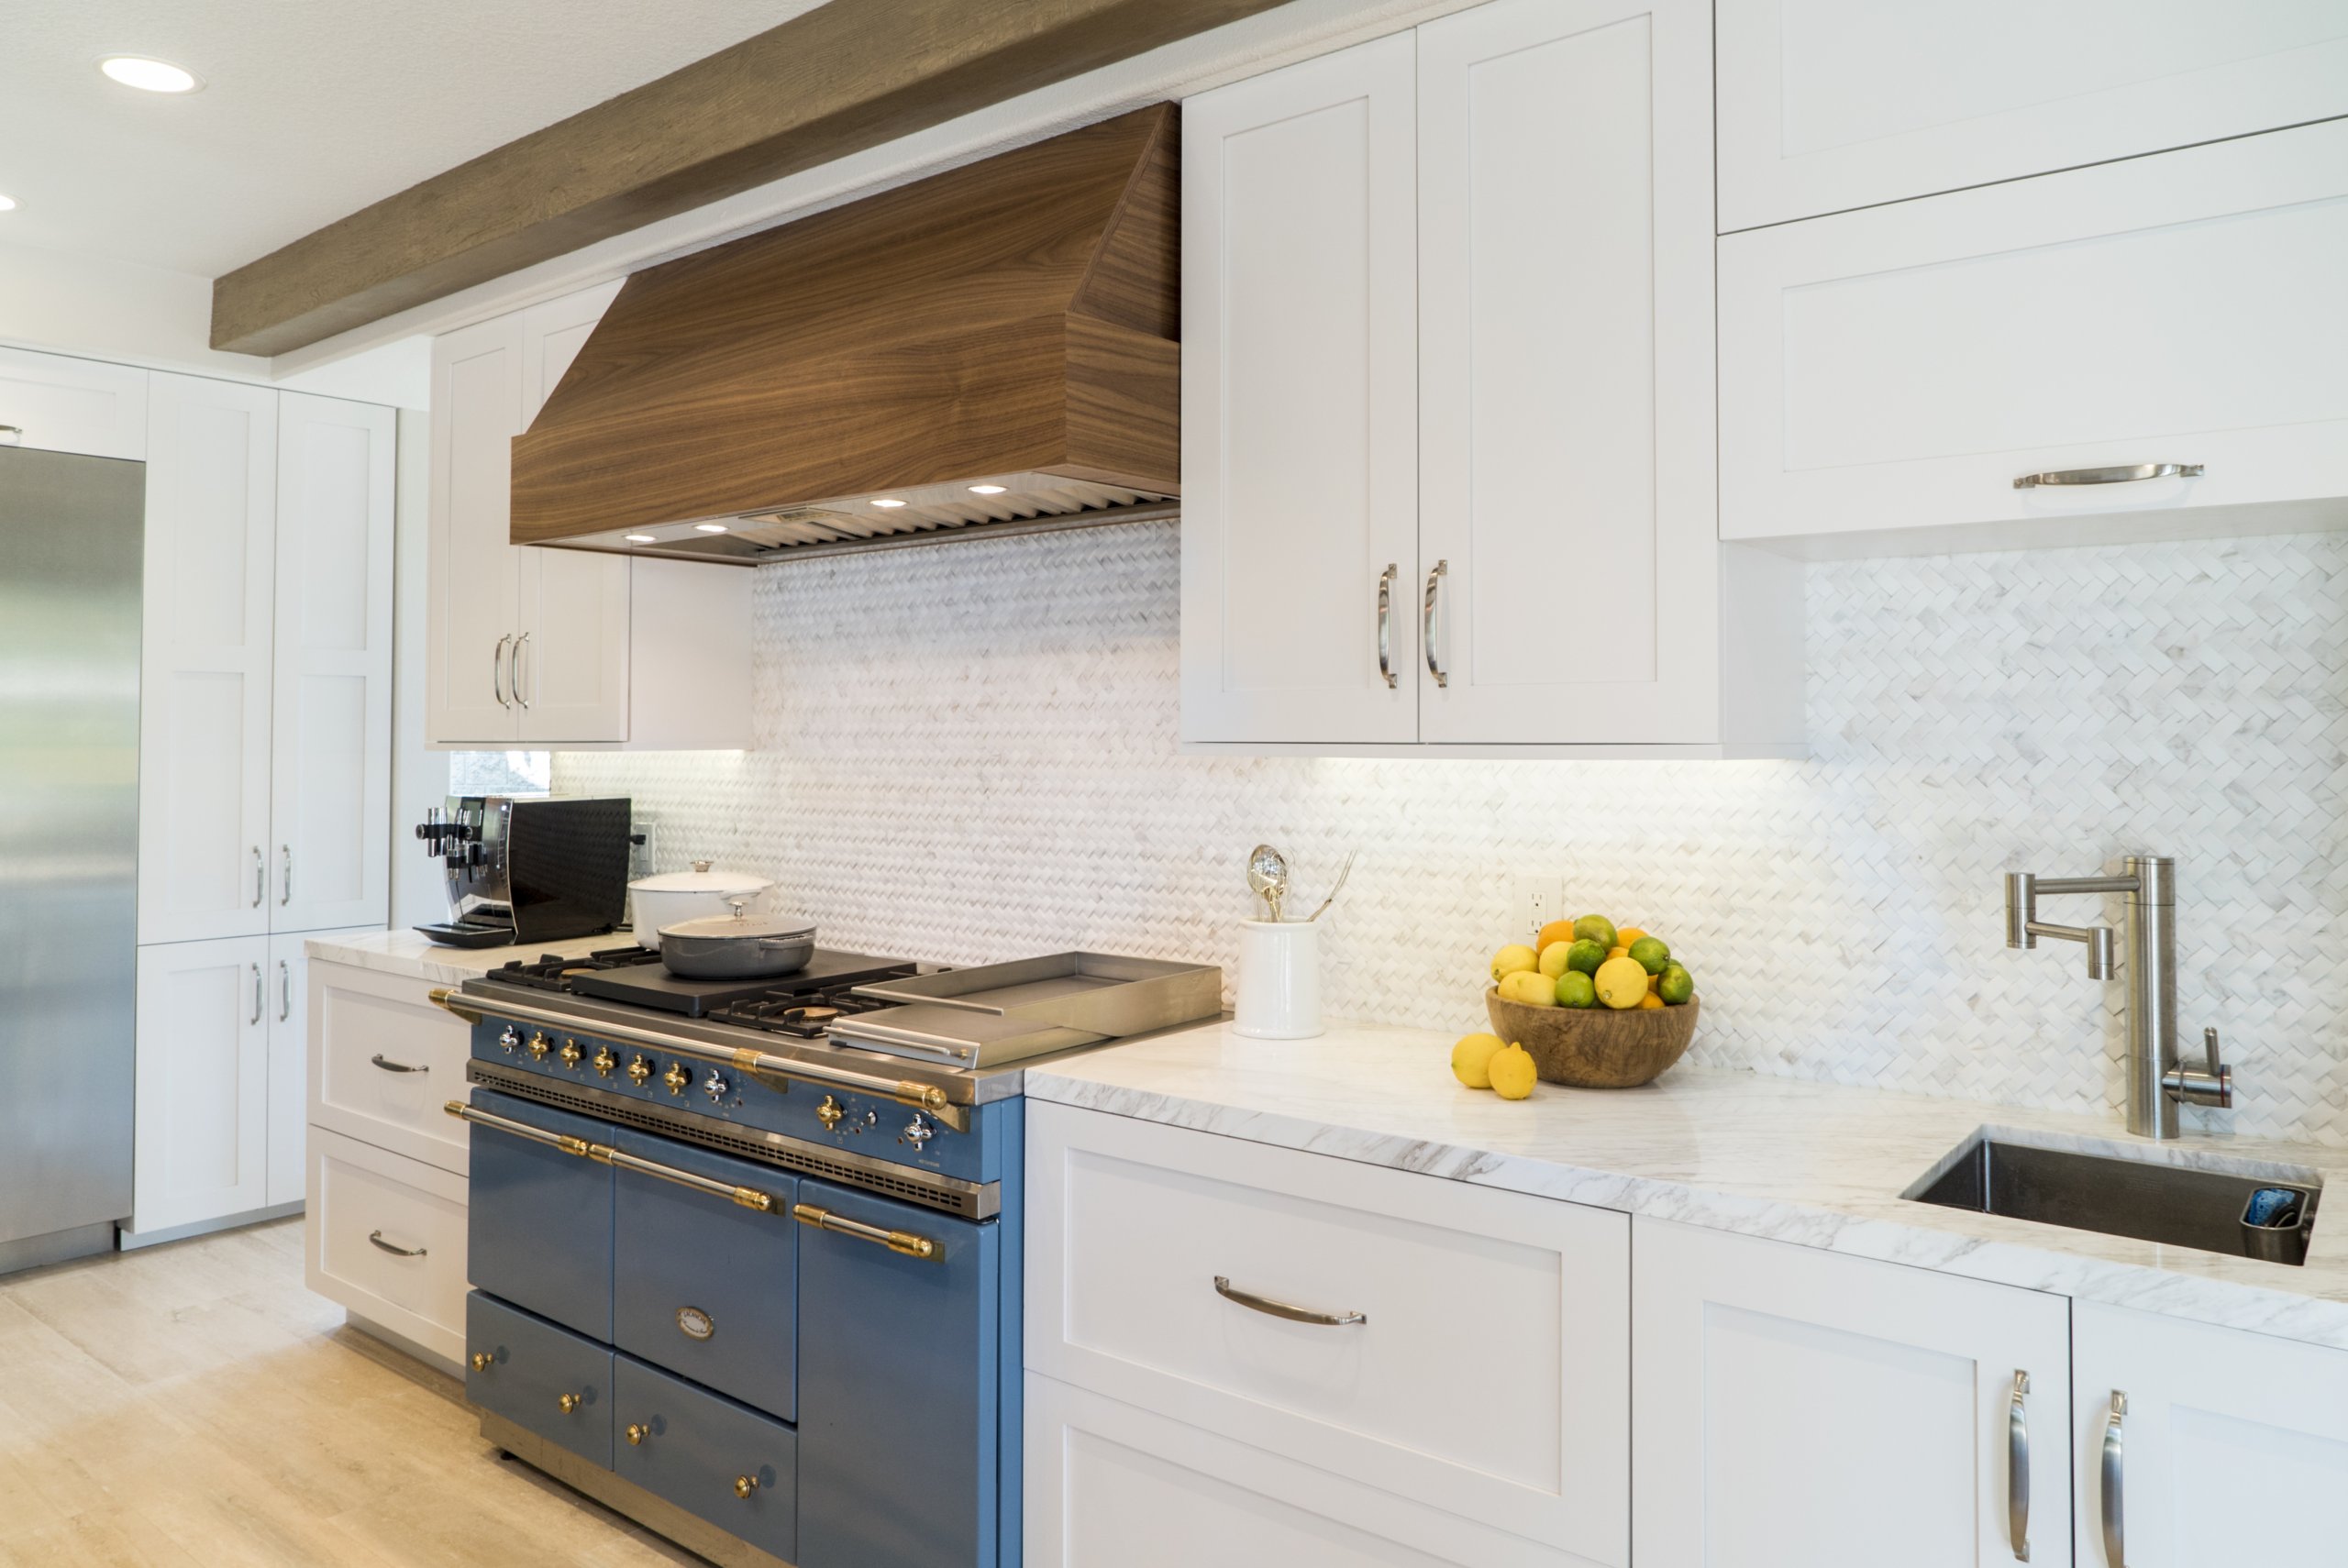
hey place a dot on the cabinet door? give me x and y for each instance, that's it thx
(1798, 1409)
(1300, 438)
(2232, 1447)
(62, 405)
(288, 979)
(1827, 104)
(470, 565)
(331, 723)
(204, 781)
(1568, 534)
(201, 1149)
(1904, 366)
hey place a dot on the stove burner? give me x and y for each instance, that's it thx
(804, 1015)
(552, 972)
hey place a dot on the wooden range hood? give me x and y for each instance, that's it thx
(1013, 324)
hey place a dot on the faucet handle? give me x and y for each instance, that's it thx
(2211, 1083)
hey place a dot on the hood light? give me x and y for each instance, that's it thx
(710, 527)
(987, 489)
(639, 538)
(888, 501)
(148, 75)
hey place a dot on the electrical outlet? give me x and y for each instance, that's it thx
(1537, 902)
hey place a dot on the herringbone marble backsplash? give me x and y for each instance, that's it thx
(967, 753)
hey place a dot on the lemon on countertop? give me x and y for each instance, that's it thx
(1471, 1059)
(1511, 1072)
(1621, 982)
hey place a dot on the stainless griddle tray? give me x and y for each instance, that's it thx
(1101, 994)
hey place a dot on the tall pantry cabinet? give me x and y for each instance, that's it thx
(264, 770)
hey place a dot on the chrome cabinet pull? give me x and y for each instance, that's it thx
(903, 1243)
(11, 434)
(2018, 1469)
(2114, 1500)
(1386, 623)
(519, 644)
(391, 1067)
(1265, 1303)
(285, 991)
(497, 670)
(258, 1004)
(285, 893)
(375, 1240)
(1434, 580)
(260, 877)
(2128, 474)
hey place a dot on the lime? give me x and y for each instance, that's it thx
(1651, 954)
(1585, 956)
(1596, 928)
(1576, 990)
(1676, 984)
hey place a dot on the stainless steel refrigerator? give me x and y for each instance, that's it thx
(71, 542)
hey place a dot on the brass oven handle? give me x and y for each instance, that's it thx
(2018, 1469)
(1386, 623)
(903, 1243)
(768, 1068)
(604, 1155)
(391, 1067)
(2126, 475)
(1426, 627)
(375, 1239)
(2114, 1499)
(497, 671)
(1265, 1303)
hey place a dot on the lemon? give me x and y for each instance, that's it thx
(1598, 928)
(1651, 954)
(1585, 956)
(1675, 984)
(1555, 958)
(1556, 930)
(1530, 987)
(1574, 989)
(1513, 959)
(1650, 1000)
(1511, 1072)
(1621, 982)
(1472, 1058)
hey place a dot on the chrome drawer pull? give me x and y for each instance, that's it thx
(375, 1238)
(391, 1067)
(286, 897)
(260, 1003)
(519, 644)
(903, 1243)
(260, 877)
(1435, 582)
(1386, 623)
(1265, 1303)
(2127, 475)
(2115, 1511)
(497, 671)
(2017, 1470)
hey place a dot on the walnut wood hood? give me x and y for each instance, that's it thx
(1013, 324)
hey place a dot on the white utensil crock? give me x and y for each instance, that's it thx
(1280, 979)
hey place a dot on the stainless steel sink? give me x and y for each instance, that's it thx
(2256, 1212)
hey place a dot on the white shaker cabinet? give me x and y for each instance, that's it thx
(202, 1102)
(2230, 1448)
(471, 567)
(1830, 105)
(1799, 1410)
(1888, 375)
(58, 403)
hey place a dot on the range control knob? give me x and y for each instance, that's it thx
(918, 1133)
(570, 1053)
(604, 1060)
(829, 1113)
(508, 1038)
(717, 1088)
(676, 1079)
(637, 1071)
(540, 1044)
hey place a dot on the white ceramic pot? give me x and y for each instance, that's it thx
(1279, 980)
(676, 897)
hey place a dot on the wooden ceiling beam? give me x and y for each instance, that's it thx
(849, 75)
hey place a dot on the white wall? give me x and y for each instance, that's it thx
(419, 775)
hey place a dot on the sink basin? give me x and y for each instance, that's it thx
(2181, 1206)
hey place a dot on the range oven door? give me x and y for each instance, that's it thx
(899, 1373)
(538, 1228)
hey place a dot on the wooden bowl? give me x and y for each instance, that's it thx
(1596, 1047)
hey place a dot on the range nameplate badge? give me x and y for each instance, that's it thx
(695, 1323)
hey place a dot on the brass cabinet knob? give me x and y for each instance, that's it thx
(539, 1046)
(604, 1060)
(570, 1053)
(637, 1432)
(482, 1361)
(745, 1484)
(676, 1079)
(571, 1403)
(638, 1070)
(829, 1113)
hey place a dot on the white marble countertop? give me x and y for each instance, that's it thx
(1820, 1165)
(416, 956)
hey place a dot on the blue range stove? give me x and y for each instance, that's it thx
(753, 1287)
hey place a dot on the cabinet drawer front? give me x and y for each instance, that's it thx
(705, 1287)
(1901, 367)
(541, 1229)
(387, 1060)
(359, 1197)
(539, 1376)
(696, 1448)
(1828, 104)
(1488, 1374)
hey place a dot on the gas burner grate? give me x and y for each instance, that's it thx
(552, 971)
(804, 1015)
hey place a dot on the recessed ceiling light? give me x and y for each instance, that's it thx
(710, 527)
(148, 75)
(639, 538)
(888, 501)
(986, 490)
(7, 204)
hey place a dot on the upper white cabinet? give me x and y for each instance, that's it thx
(63, 404)
(1797, 1407)
(539, 647)
(1830, 105)
(1902, 368)
(2225, 1447)
(1448, 429)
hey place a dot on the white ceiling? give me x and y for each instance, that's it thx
(311, 109)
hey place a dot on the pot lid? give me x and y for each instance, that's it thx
(700, 879)
(742, 924)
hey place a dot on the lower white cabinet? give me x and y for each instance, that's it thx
(385, 1238)
(2231, 1448)
(1435, 1362)
(1799, 1410)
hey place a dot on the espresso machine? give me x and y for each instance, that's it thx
(525, 868)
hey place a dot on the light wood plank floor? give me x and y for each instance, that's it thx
(192, 1406)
